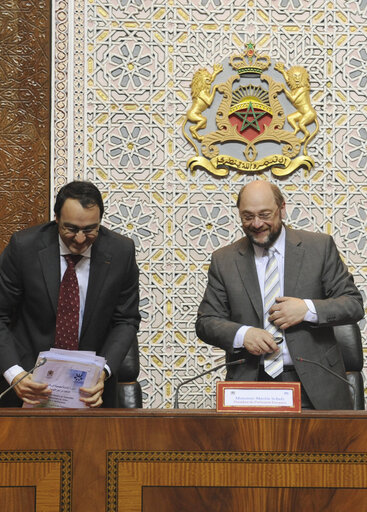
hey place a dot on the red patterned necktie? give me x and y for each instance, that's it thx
(67, 320)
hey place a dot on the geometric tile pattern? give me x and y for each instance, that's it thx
(128, 91)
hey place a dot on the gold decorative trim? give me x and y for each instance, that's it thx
(115, 475)
(250, 457)
(221, 164)
(62, 457)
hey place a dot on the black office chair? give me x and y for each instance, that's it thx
(129, 393)
(349, 339)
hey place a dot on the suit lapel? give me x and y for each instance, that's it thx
(50, 264)
(99, 267)
(293, 262)
(245, 262)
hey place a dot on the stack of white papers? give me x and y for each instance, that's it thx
(65, 372)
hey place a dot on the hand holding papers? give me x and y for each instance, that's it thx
(65, 372)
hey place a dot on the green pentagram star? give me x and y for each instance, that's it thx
(246, 122)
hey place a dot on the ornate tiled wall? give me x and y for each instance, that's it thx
(123, 70)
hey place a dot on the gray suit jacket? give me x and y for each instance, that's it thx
(312, 270)
(29, 287)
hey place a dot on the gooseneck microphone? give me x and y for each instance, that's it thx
(303, 360)
(231, 363)
(37, 365)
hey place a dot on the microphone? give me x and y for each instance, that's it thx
(37, 365)
(231, 363)
(303, 360)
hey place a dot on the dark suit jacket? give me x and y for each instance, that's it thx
(312, 270)
(29, 287)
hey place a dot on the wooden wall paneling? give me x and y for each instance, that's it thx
(24, 115)
(232, 499)
(305, 472)
(35, 480)
(13, 499)
(126, 460)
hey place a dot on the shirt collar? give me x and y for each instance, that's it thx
(64, 250)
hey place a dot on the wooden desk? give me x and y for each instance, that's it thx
(182, 460)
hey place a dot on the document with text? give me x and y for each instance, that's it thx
(65, 372)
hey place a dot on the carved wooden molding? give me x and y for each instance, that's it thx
(24, 115)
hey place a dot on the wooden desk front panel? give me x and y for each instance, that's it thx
(182, 460)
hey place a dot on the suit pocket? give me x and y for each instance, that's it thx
(333, 356)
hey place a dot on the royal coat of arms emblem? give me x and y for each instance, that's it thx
(258, 117)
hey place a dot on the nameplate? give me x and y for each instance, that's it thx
(258, 396)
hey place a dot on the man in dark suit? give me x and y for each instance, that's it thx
(316, 292)
(31, 268)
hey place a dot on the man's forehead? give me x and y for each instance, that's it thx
(70, 224)
(72, 209)
(265, 202)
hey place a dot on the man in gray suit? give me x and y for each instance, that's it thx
(316, 292)
(31, 268)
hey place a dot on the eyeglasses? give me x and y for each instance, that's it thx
(250, 217)
(72, 230)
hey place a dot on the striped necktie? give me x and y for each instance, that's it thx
(273, 363)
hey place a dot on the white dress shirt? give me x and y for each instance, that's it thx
(261, 259)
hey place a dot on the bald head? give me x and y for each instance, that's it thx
(261, 188)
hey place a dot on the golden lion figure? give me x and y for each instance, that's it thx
(202, 98)
(299, 95)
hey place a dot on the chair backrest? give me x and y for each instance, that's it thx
(130, 366)
(349, 339)
(129, 393)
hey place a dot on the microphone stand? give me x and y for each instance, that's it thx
(303, 360)
(231, 363)
(37, 365)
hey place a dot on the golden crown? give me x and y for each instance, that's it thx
(249, 61)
